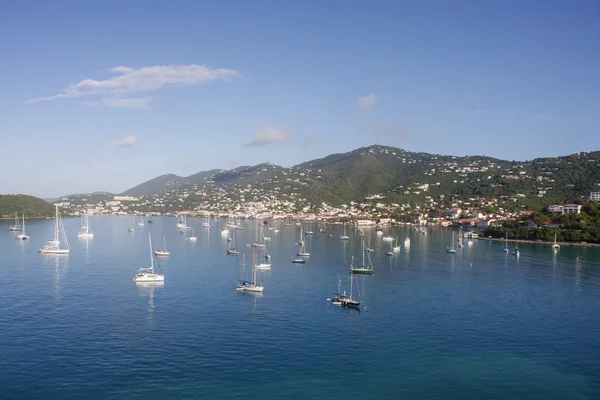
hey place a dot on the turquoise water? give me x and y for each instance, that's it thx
(478, 324)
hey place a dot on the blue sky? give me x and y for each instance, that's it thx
(103, 96)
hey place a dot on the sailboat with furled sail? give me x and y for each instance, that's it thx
(363, 269)
(302, 252)
(85, 229)
(147, 274)
(16, 227)
(249, 286)
(22, 235)
(163, 252)
(53, 246)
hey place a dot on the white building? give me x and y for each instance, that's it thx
(572, 208)
(595, 196)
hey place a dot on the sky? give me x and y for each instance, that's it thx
(101, 96)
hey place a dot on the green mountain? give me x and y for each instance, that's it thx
(395, 175)
(32, 207)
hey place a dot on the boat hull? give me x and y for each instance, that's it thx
(364, 271)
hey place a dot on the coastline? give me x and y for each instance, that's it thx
(575, 244)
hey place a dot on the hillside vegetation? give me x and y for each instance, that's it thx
(32, 207)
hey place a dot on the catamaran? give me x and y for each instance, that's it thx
(147, 274)
(52, 246)
(85, 229)
(22, 235)
(364, 269)
(16, 227)
(164, 252)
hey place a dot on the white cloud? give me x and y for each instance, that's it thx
(129, 102)
(270, 135)
(126, 141)
(364, 104)
(131, 80)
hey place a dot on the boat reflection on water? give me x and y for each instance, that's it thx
(147, 288)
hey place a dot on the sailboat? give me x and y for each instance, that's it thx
(267, 263)
(191, 238)
(397, 246)
(344, 299)
(369, 249)
(231, 247)
(182, 223)
(131, 228)
(363, 269)
(206, 223)
(506, 243)
(459, 240)
(53, 246)
(407, 242)
(555, 246)
(344, 237)
(516, 251)
(22, 235)
(85, 229)
(390, 252)
(16, 227)
(141, 223)
(147, 274)
(164, 252)
(302, 252)
(247, 286)
(451, 249)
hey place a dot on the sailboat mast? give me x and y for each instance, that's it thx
(363, 251)
(24, 225)
(56, 224)
(151, 259)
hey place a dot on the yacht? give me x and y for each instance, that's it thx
(147, 274)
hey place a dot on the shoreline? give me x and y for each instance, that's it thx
(575, 244)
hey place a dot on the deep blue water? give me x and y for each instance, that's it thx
(478, 324)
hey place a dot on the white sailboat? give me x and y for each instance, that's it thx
(343, 299)
(53, 246)
(506, 250)
(302, 252)
(266, 264)
(231, 246)
(22, 235)
(397, 246)
(407, 242)
(555, 245)
(131, 228)
(390, 252)
(254, 285)
(163, 252)
(182, 223)
(141, 223)
(451, 249)
(344, 236)
(191, 238)
(85, 229)
(16, 227)
(147, 274)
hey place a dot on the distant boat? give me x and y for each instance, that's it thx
(22, 235)
(344, 299)
(190, 238)
(16, 227)
(388, 239)
(344, 237)
(131, 228)
(232, 249)
(397, 246)
(85, 229)
(555, 245)
(141, 223)
(164, 252)
(266, 264)
(407, 242)
(53, 246)
(516, 251)
(451, 249)
(363, 269)
(506, 250)
(147, 274)
(302, 252)
(249, 286)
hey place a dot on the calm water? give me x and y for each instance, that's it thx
(478, 324)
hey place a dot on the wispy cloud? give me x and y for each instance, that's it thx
(364, 104)
(125, 142)
(131, 80)
(540, 117)
(270, 135)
